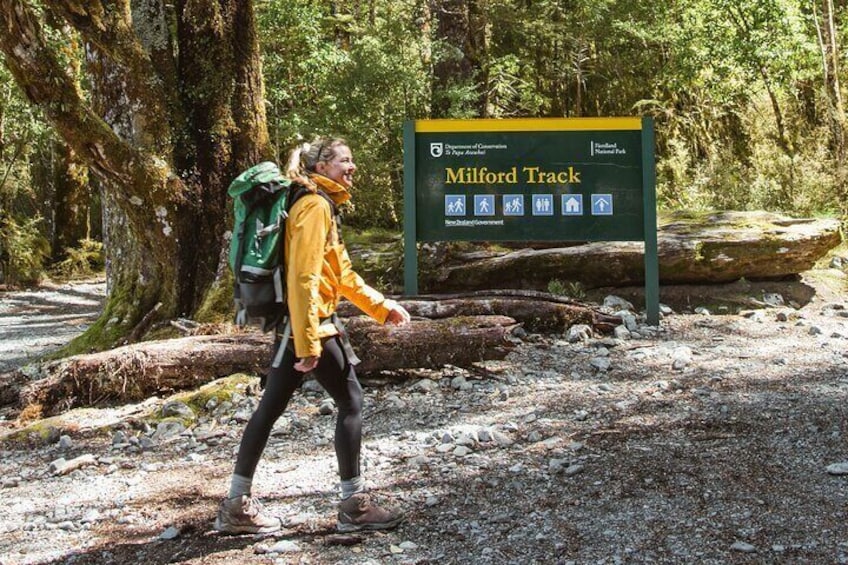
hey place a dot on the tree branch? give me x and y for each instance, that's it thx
(47, 85)
(110, 30)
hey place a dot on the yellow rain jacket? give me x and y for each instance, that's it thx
(319, 272)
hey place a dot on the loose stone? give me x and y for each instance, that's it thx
(284, 546)
(177, 409)
(629, 321)
(11, 482)
(617, 303)
(170, 533)
(419, 461)
(743, 547)
(327, 407)
(557, 465)
(62, 467)
(578, 332)
(168, 429)
(424, 385)
(502, 439)
(485, 435)
(838, 468)
(573, 470)
(602, 364)
(461, 451)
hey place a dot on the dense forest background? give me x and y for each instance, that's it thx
(747, 97)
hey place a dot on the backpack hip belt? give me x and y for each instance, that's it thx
(336, 321)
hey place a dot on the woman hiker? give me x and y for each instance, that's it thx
(318, 274)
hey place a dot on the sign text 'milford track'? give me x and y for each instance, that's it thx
(531, 175)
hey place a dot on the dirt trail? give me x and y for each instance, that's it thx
(36, 321)
(709, 440)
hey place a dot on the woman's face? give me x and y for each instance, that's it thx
(340, 168)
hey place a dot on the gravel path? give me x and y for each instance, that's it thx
(34, 322)
(712, 439)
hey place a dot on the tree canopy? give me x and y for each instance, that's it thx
(164, 102)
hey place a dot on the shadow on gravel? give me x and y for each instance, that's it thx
(196, 540)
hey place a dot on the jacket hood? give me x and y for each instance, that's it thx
(334, 190)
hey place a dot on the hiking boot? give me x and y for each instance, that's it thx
(245, 515)
(359, 513)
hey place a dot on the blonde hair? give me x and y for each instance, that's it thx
(305, 157)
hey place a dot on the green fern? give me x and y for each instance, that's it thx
(571, 289)
(86, 259)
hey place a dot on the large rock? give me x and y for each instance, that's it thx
(693, 248)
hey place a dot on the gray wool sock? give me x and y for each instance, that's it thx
(352, 486)
(240, 486)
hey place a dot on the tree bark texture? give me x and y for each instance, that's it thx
(175, 111)
(134, 372)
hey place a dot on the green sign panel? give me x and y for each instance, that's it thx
(523, 185)
(569, 179)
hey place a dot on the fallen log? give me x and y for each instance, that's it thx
(460, 341)
(693, 248)
(458, 329)
(536, 311)
(137, 371)
(134, 372)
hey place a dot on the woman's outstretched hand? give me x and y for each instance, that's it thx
(398, 316)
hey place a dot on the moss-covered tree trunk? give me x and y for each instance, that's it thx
(68, 174)
(175, 110)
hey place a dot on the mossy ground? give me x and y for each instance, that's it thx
(31, 431)
(220, 390)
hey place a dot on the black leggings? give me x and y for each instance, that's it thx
(338, 378)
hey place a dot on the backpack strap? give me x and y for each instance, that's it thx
(295, 192)
(298, 191)
(242, 228)
(284, 342)
(337, 216)
(346, 346)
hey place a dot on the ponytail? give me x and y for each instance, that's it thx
(305, 157)
(294, 165)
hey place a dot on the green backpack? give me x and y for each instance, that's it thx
(261, 200)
